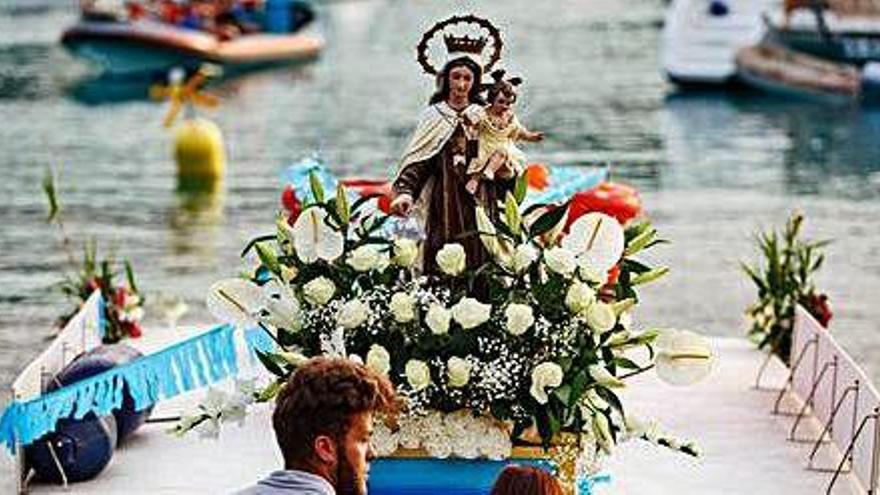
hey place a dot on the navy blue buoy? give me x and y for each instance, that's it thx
(718, 8)
(83, 447)
(99, 360)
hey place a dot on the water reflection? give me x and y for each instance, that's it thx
(196, 226)
(746, 140)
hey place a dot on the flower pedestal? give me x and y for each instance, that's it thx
(414, 472)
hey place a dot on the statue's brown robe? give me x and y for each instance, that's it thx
(434, 172)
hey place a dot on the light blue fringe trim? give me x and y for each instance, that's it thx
(586, 483)
(182, 367)
(102, 317)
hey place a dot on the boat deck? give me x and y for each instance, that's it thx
(745, 447)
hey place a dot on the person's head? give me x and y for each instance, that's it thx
(502, 92)
(323, 420)
(459, 78)
(526, 480)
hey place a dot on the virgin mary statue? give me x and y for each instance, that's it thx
(432, 174)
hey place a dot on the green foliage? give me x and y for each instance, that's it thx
(784, 278)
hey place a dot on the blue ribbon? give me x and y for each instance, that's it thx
(185, 366)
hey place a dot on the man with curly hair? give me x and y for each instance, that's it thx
(323, 422)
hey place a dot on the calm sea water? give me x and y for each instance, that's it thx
(712, 168)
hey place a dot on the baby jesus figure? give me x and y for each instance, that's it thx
(498, 130)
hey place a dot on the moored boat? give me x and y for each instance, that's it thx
(781, 71)
(146, 46)
(700, 38)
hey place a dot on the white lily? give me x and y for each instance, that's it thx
(683, 357)
(598, 240)
(235, 300)
(313, 239)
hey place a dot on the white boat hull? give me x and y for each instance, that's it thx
(699, 47)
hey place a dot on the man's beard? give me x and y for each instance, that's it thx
(347, 481)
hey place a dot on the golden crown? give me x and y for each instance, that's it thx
(465, 44)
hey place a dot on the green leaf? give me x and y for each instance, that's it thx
(51, 195)
(254, 241)
(270, 364)
(317, 188)
(129, 274)
(647, 277)
(511, 214)
(640, 242)
(626, 363)
(342, 206)
(268, 258)
(521, 188)
(270, 392)
(563, 393)
(610, 397)
(546, 222)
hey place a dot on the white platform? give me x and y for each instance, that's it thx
(745, 447)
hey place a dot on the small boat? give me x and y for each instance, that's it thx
(700, 38)
(782, 71)
(147, 46)
(846, 32)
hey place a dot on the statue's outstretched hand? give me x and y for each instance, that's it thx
(402, 205)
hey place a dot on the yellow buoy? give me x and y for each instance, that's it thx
(198, 142)
(198, 151)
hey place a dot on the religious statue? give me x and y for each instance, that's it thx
(434, 171)
(498, 130)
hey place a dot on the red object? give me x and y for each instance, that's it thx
(819, 307)
(367, 187)
(613, 274)
(617, 200)
(538, 176)
(119, 296)
(133, 329)
(93, 285)
(291, 203)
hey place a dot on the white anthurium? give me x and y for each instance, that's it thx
(597, 239)
(545, 375)
(683, 357)
(282, 306)
(313, 239)
(235, 300)
(603, 377)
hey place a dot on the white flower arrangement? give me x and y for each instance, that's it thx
(542, 346)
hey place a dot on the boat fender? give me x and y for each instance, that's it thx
(198, 151)
(99, 360)
(82, 447)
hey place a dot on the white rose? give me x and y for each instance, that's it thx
(319, 291)
(364, 258)
(418, 375)
(451, 259)
(543, 376)
(352, 314)
(523, 257)
(579, 297)
(470, 313)
(519, 318)
(588, 272)
(600, 317)
(383, 259)
(403, 307)
(437, 319)
(406, 251)
(560, 260)
(378, 359)
(603, 377)
(458, 372)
